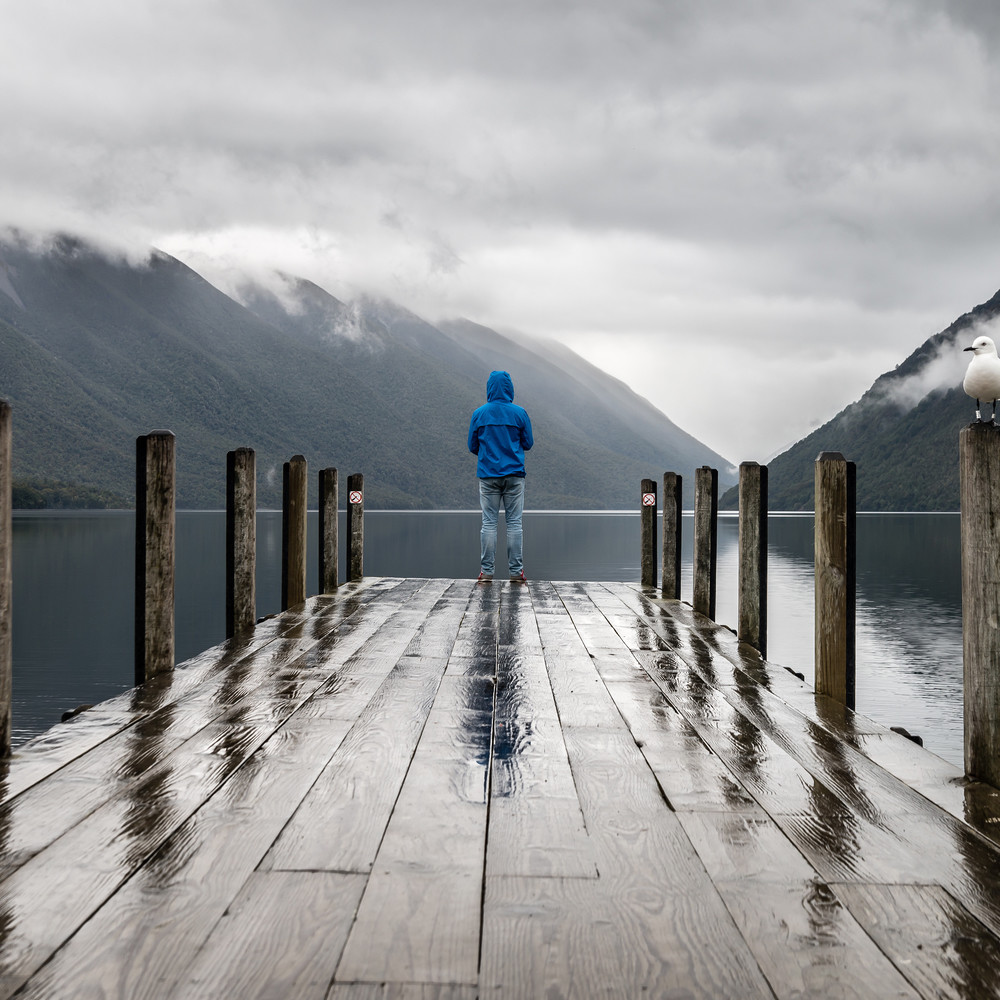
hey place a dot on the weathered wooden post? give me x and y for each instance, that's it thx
(155, 515)
(752, 614)
(979, 465)
(293, 532)
(647, 516)
(241, 541)
(328, 581)
(6, 560)
(706, 526)
(672, 513)
(355, 527)
(835, 576)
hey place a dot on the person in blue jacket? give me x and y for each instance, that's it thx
(500, 434)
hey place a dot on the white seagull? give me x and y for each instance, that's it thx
(982, 380)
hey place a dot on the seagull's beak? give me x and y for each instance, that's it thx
(968, 348)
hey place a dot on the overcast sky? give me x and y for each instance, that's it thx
(745, 209)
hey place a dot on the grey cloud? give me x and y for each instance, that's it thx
(771, 171)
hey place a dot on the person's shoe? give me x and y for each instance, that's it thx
(485, 578)
(519, 578)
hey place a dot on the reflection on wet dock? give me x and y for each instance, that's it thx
(433, 789)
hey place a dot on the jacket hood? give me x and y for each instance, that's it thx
(499, 388)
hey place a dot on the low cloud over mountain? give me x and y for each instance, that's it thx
(98, 348)
(902, 433)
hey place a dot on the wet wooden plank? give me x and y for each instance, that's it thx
(766, 886)
(438, 632)
(264, 686)
(934, 941)
(158, 806)
(415, 926)
(52, 750)
(652, 921)
(685, 819)
(341, 821)
(195, 681)
(881, 830)
(558, 634)
(282, 937)
(539, 835)
(536, 824)
(402, 991)
(581, 697)
(592, 938)
(419, 919)
(859, 822)
(186, 870)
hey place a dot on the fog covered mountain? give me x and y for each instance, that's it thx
(902, 433)
(95, 350)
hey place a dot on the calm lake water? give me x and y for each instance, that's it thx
(73, 596)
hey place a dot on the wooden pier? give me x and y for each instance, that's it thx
(437, 789)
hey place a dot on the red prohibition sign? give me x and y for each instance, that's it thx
(649, 499)
(355, 496)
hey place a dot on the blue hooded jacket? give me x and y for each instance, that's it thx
(500, 431)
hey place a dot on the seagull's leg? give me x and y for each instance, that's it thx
(993, 419)
(979, 418)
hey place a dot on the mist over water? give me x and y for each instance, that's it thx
(73, 596)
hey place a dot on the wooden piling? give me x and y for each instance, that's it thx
(6, 560)
(835, 577)
(706, 521)
(672, 513)
(647, 516)
(752, 613)
(328, 540)
(293, 532)
(241, 541)
(155, 515)
(355, 527)
(979, 477)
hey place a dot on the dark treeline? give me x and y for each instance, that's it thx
(44, 494)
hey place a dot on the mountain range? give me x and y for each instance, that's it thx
(902, 434)
(96, 349)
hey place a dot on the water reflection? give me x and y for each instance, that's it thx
(149, 805)
(73, 596)
(909, 615)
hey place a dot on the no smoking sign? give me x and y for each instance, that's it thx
(649, 499)
(356, 496)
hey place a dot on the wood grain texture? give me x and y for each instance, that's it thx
(281, 937)
(751, 615)
(539, 835)
(774, 894)
(809, 945)
(979, 466)
(673, 508)
(188, 869)
(834, 574)
(647, 532)
(934, 941)
(92, 859)
(560, 790)
(706, 513)
(402, 991)
(340, 823)
(329, 531)
(294, 508)
(414, 926)
(595, 938)
(155, 569)
(241, 541)
(355, 526)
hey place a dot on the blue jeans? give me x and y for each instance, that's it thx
(510, 490)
